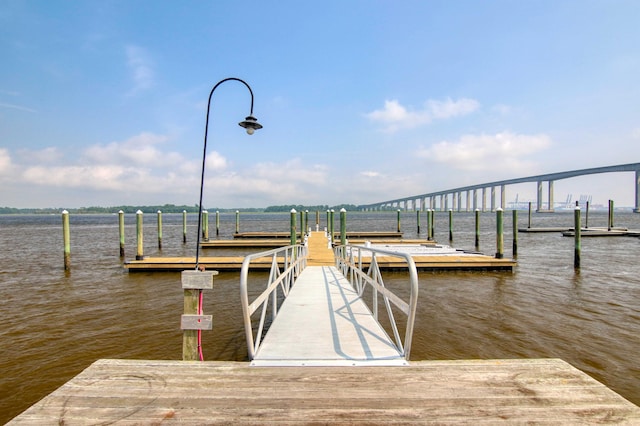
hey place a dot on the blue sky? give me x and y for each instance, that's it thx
(104, 102)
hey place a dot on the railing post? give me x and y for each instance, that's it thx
(193, 321)
(139, 236)
(499, 233)
(66, 237)
(121, 231)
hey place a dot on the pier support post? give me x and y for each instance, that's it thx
(428, 224)
(610, 224)
(184, 226)
(499, 233)
(514, 248)
(139, 236)
(343, 227)
(477, 211)
(66, 238)
(398, 215)
(317, 220)
(205, 225)
(586, 216)
(418, 220)
(450, 225)
(121, 231)
(294, 234)
(193, 321)
(529, 223)
(578, 242)
(237, 222)
(302, 227)
(217, 223)
(159, 229)
(433, 225)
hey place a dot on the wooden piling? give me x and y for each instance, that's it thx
(121, 231)
(184, 226)
(317, 220)
(237, 222)
(477, 212)
(578, 243)
(302, 228)
(610, 225)
(193, 321)
(343, 227)
(205, 225)
(217, 223)
(433, 225)
(529, 223)
(398, 220)
(586, 218)
(514, 248)
(294, 234)
(159, 230)
(418, 220)
(139, 236)
(450, 225)
(66, 238)
(499, 233)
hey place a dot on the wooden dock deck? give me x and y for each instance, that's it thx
(483, 392)
(434, 261)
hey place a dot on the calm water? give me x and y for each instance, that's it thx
(56, 323)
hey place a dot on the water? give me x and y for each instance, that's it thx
(56, 323)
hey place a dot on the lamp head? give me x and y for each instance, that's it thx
(251, 124)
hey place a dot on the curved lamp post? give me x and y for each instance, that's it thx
(250, 123)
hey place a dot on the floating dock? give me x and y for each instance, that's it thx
(432, 257)
(128, 392)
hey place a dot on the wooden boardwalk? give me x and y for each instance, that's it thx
(481, 392)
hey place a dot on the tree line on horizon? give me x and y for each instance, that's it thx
(170, 208)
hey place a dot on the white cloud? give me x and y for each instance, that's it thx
(5, 162)
(16, 107)
(141, 68)
(396, 116)
(506, 151)
(370, 174)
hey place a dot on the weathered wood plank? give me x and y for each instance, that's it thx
(482, 392)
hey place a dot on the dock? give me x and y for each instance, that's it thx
(325, 359)
(127, 392)
(433, 257)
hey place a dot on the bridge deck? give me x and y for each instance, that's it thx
(324, 322)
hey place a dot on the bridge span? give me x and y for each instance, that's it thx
(439, 200)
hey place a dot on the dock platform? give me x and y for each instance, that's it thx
(434, 257)
(484, 392)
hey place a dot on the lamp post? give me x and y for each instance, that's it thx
(250, 123)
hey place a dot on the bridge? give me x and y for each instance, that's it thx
(430, 200)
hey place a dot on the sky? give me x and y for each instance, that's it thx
(104, 103)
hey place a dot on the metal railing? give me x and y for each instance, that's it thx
(293, 260)
(350, 259)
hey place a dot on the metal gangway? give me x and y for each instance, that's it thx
(307, 315)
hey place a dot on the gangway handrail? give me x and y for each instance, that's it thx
(294, 260)
(349, 260)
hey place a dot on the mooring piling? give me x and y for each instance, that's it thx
(121, 231)
(193, 321)
(418, 220)
(499, 233)
(610, 225)
(205, 225)
(578, 243)
(66, 238)
(514, 247)
(343, 227)
(159, 230)
(450, 225)
(294, 234)
(184, 226)
(237, 222)
(398, 214)
(477, 213)
(217, 223)
(139, 236)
